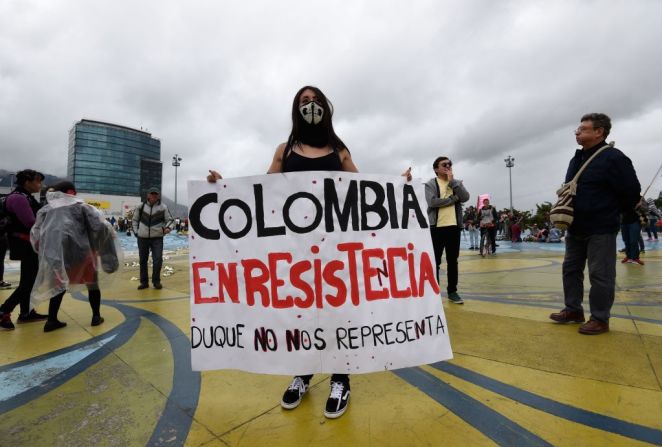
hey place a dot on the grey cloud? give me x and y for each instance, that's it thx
(214, 81)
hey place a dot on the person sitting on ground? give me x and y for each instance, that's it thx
(70, 236)
(554, 235)
(516, 232)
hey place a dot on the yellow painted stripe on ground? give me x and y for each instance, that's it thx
(615, 357)
(628, 403)
(384, 411)
(557, 431)
(111, 403)
(29, 340)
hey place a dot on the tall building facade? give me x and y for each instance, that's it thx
(110, 159)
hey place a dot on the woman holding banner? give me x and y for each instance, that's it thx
(312, 146)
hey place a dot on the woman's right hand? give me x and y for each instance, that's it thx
(213, 176)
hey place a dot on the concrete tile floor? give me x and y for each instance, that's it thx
(517, 378)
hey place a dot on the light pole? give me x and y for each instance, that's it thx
(510, 162)
(176, 163)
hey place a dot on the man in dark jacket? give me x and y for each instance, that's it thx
(606, 189)
(151, 222)
(445, 195)
(22, 208)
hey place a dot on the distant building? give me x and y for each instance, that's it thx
(114, 160)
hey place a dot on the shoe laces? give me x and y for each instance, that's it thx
(337, 389)
(297, 384)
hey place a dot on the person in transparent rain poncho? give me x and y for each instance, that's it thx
(74, 243)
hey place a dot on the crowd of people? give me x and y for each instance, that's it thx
(53, 258)
(124, 224)
(65, 244)
(62, 244)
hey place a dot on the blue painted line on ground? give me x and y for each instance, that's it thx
(175, 422)
(122, 333)
(568, 412)
(155, 300)
(18, 379)
(495, 426)
(550, 262)
(173, 426)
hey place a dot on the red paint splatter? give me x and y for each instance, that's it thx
(192, 236)
(225, 186)
(298, 316)
(273, 211)
(323, 239)
(193, 257)
(410, 246)
(193, 319)
(314, 182)
(373, 234)
(315, 249)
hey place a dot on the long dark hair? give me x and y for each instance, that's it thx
(327, 125)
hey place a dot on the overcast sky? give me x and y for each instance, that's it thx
(410, 80)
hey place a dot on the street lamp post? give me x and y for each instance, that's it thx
(176, 163)
(510, 162)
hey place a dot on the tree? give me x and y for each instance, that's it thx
(542, 214)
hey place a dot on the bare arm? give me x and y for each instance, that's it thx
(346, 161)
(277, 162)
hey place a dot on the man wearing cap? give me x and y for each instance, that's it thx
(151, 221)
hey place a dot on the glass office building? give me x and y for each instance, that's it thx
(110, 159)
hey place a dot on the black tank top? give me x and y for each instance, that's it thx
(294, 162)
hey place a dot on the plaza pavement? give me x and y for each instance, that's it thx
(517, 379)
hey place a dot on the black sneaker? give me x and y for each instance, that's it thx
(5, 322)
(51, 326)
(31, 317)
(455, 297)
(294, 393)
(97, 320)
(5, 285)
(158, 286)
(338, 399)
(142, 286)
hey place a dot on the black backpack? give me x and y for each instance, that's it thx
(5, 217)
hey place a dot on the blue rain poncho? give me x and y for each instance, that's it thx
(74, 243)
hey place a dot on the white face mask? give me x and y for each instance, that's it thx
(312, 112)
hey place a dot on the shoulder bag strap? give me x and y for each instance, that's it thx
(576, 177)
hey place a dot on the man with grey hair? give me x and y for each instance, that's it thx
(607, 188)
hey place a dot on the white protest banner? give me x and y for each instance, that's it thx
(309, 272)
